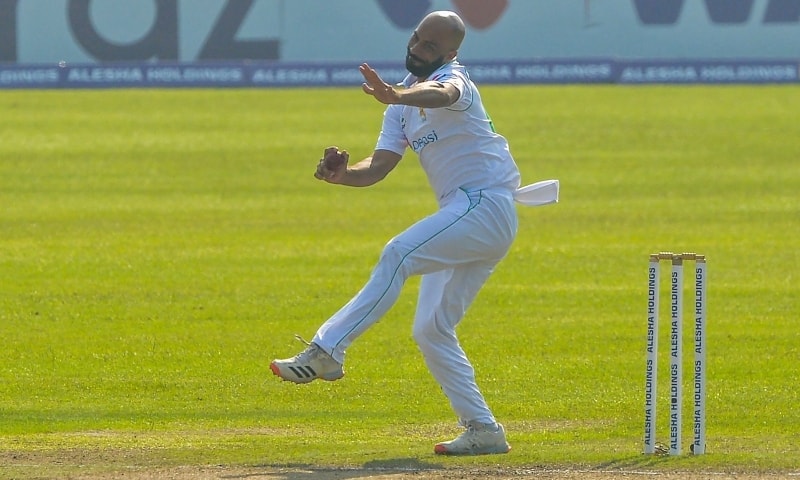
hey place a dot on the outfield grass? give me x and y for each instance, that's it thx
(158, 248)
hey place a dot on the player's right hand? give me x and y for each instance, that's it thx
(333, 165)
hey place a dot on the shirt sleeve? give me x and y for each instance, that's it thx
(464, 86)
(392, 137)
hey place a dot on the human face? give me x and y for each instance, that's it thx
(423, 55)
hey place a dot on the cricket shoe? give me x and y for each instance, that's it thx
(478, 439)
(308, 365)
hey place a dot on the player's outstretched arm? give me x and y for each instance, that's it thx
(424, 94)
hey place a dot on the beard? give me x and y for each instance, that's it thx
(421, 69)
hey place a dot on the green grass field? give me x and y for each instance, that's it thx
(159, 248)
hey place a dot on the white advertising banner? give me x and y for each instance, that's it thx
(187, 31)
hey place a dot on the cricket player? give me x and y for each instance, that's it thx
(438, 113)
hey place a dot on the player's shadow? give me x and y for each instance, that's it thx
(403, 464)
(385, 468)
(641, 461)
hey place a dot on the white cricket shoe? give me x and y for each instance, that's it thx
(308, 365)
(478, 439)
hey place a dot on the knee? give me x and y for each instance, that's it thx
(420, 332)
(428, 332)
(393, 251)
(395, 258)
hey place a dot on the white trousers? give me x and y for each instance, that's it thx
(455, 250)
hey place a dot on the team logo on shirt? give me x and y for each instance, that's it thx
(421, 142)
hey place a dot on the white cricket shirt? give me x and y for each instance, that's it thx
(457, 145)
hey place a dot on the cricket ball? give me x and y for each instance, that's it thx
(334, 159)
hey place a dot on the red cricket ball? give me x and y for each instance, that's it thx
(334, 159)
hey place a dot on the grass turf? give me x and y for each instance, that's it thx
(158, 248)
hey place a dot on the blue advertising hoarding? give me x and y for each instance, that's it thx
(278, 74)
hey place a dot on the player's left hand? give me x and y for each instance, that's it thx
(375, 86)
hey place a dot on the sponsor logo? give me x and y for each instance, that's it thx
(424, 141)
(161, 42)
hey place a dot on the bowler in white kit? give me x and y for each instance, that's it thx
(438, 113)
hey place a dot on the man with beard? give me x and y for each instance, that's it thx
(439, 114)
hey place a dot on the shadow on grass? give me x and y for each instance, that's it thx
(404, 464)
(394, 466)
(638, 462)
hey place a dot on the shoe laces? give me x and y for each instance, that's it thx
(312, 351)
(309, 351)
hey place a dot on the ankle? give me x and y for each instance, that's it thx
(483, 427)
